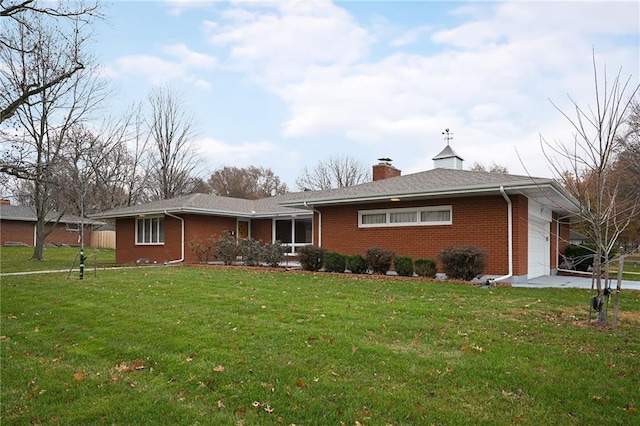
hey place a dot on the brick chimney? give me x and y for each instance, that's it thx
(384, 170)
(5, 202)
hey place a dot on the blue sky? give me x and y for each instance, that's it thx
(286, 84)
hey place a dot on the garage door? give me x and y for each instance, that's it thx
(539, 248)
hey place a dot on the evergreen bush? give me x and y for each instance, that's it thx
(582, 256)
(464, 263)
(335, 262)
(356, 264)
(403, 265)
(426, 268)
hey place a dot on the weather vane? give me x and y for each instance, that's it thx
(447, 136)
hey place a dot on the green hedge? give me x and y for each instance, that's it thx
(403, 265)
(335, 262)
(426, 268)
(356, 264)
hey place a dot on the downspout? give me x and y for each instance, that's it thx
(169, 262)
(510, 235)
(319, 222)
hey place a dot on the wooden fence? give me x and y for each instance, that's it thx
(103, 239)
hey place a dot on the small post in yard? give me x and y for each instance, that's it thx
(82, 259)
(618, 288)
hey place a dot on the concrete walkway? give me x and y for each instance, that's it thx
(559, 281)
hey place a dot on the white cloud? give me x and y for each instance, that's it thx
(276, 43)
(410, 36)
(232, 153)
(183, 64)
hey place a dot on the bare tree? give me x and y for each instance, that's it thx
(173, 160)
(21, 14)
(493, 168)
(336, 172)
(34, 148)
(586, 167)
(249, 182)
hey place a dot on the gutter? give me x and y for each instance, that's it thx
(169, 262)
(510, 237)
(319, 222)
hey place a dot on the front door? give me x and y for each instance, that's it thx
(243, 229)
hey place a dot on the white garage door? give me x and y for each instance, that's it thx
(539, 248)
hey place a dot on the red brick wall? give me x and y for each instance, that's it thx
(261, 230)
(385, 171)
(561, 243)
(520, 234)
(478, 221)
(23, 232)
(197, 227)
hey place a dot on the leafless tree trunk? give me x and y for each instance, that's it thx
(585, 165)
(21, 13)
(34, 149)
(173, 160)
(336, 172)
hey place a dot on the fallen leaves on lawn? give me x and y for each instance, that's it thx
(79, 376)
(218, 368)
(300, 383)
(123, 367)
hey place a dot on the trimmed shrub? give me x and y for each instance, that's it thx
(251, 250)
(226, 249)
(311, 257)
(379, 260)
(403, 265)
(463, 263)
(356, 264)
(426, 268)
(335, 262)
(273, 254)
(582, 256)
(203, 249)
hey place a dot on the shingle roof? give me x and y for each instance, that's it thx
(447, 152)
(442, 182)
(430, 183)
(27, 214)
(210, 204)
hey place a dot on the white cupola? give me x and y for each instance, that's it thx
(447, 159)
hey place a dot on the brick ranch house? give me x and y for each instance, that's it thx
(522, 221)
(18, 227)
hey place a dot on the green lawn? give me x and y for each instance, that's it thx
(233, 346)
(17, 259)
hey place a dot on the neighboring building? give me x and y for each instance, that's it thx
(521, 221)
(18, 227)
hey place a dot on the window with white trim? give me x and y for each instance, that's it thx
(293, 233)
(150, 230)
(413, 216)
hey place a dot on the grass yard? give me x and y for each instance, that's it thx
(235, 346)
(17, 259)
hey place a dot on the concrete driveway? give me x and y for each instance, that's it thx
(559, 281)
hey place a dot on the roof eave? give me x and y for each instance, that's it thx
(471, 190)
